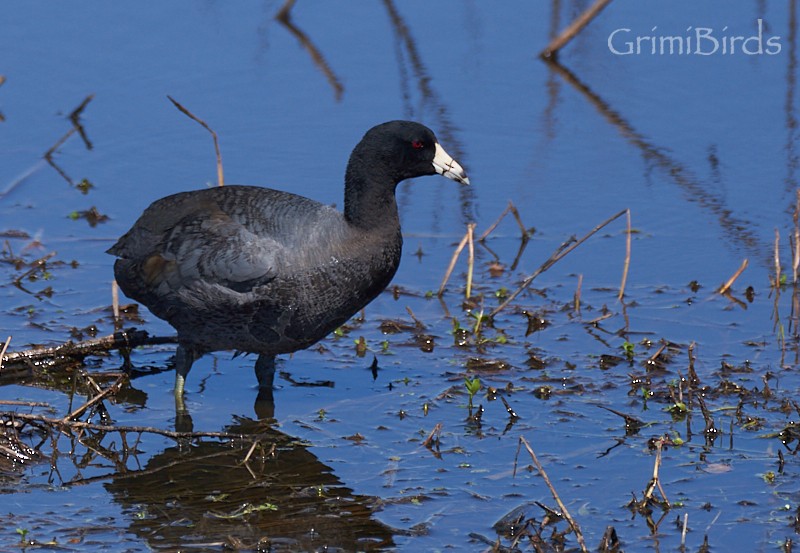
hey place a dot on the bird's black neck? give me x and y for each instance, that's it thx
(369, 200)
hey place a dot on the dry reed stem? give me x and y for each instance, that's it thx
(513, 210)
(437, 430)
(511, 413)
(711, 428)
(600, 319)
(284, 17)
(250, 452)
(684, 529)
(627, 265)
(777, 258)
(76, 113)
(115, 301)
(655, 481)
(562, 251)
(419, 324)
(577, 296)
(48, 155)
(452, 264)
(220, 176)
(3, 351)
(681, 383)
(561, 506)
(659, 351)
(725, 287)
(551, 51)
(658, 482)
(74, 118)
(129, 338)
(114, 388)
(283, 13)
(19, 403)
(93, 383)
(34, 266)
(796, 249)
(471, 259)
(61, 423)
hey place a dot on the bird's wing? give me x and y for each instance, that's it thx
(212, 247)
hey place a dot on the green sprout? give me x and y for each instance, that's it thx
(473, 387)
(627, 348)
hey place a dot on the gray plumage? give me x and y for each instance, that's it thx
(263, 271)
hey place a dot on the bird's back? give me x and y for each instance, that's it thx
(252, 269)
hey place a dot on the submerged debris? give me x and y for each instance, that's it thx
(14, 454)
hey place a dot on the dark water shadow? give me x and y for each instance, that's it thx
(792, 157)
(414, 74)
(738, 230)
(249, 487)
(284, 18)
(266, 491)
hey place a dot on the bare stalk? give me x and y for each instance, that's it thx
(561, 506)
(510, 208)
(576, 27)
(60, 423)
(725, 287)
(563, 250)
(114, 388)
(129, 338)
(452, 264)
(777, 258)
(115, 302)
(626, 266)
(471, 260)
(3, 351)
(796, 249)
(220, 177)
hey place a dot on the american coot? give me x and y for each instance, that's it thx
(263, 271)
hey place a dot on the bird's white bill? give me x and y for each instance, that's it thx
(448, 167)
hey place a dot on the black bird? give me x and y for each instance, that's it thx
(262, 271)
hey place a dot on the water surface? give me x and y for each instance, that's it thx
(702, 149)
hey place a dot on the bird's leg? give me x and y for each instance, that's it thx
(184, 358)
(265, 371)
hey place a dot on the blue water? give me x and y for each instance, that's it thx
(702, 149)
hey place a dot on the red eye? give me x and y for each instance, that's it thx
(417, 144)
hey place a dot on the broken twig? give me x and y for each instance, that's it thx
(114, 388)
(561, 506)
(563, 250)
(220, 177)
(3, 351)
(510, 208)
(453, 260)
(627, 264)
(551, 51)
(61, 423)
(725, 287)
(129, 338)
